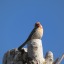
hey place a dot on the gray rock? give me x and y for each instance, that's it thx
(15, 57)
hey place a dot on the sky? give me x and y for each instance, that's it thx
(17, 19)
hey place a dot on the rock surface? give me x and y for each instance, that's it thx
(35, 50)
(15, 57)
(33, 54)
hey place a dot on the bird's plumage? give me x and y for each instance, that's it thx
(36, 33)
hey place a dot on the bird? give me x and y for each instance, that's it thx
(36, 33)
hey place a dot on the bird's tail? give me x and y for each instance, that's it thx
(21, 46)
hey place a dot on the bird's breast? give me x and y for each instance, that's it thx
(38, 34)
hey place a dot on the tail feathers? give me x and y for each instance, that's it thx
(20, 47)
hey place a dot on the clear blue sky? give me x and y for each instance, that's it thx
(17, 18)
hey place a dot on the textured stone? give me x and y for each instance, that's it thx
(33, 54)
(35, 51)
(49, 57)
(15, 57)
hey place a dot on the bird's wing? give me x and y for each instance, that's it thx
(31, 34)
(33, 31)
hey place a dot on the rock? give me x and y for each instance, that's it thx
(49, 57)
(33, 54)
(15, 57)
(35, 51)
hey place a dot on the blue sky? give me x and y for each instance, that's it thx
(17, 18)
